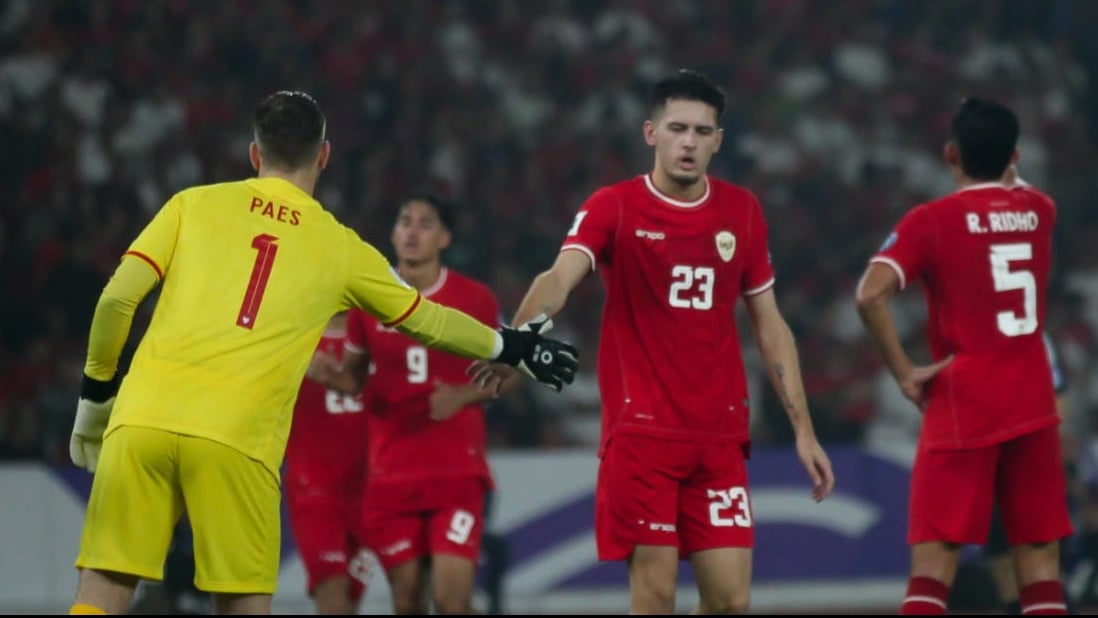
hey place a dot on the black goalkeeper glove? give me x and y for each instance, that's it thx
(549, 361)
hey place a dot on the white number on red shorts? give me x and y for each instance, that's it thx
(461, 526)
(729, 507)
(338, 403)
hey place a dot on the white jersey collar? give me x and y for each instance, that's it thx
(663, 197)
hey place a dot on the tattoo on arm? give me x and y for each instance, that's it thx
(783, 393)
(779, 373)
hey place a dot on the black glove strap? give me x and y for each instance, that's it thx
(513, 347)
(98, 390)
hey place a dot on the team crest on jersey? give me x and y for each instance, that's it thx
(726, 244)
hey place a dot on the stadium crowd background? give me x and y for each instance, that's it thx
(517, 111)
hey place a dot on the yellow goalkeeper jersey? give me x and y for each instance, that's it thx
(251, 272)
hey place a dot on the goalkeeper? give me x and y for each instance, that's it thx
(250, 273)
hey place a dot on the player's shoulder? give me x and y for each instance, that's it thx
(1035, 194)
(731, 193)
(618, 191)
(467, 284)
(202, 193)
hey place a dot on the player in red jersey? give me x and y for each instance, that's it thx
(324, 477)
(429, 472)
(989, 435)
(677, 249)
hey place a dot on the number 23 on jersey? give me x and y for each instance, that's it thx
(692, 287)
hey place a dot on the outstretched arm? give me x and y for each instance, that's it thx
(549, 291)
(374, 287)
(547, 296)
(779, 351)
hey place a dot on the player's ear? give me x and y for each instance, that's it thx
(253, 155)
(446, 238)
(951, 154)
(649, 133)
(1015, 156)
(323, 155)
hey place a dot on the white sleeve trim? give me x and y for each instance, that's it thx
(894, 265)
(759, 289)
(578, 247)
(347, 345)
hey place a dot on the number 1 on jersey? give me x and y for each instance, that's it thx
(265, 247)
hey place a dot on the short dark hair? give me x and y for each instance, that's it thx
(986, 134)
(289, 128)
(686, 84)
(442, 207)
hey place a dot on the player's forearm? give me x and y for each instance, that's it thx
(778, 349)
(877, 318)
(471, 394)
(547, 294)
(110, 327)
(453, 331)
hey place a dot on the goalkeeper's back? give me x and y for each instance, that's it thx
(251, 273)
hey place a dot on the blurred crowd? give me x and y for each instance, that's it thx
(517, 111)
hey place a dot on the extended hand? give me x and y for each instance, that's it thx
(321, 367)
(914, 384)
(549, 361)
(447, 400)
(491, 376)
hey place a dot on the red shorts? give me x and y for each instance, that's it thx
(325, 525)
(953, 492)
(405, 520)
(653, 491)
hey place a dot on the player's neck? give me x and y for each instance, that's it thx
(963, 182)
(302, 179)
(675, 189)
(420, 276)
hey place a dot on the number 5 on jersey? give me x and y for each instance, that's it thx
(1006, 279)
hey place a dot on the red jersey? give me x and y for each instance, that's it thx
(327, 445)
(669, 355)
(983, 254)
(405, 443)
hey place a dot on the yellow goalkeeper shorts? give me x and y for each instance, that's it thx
(145, 480)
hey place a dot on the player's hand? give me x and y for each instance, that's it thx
(491, 376)
(447, 400)
(549, 361)
(93, 412)
(322, 367)
(914, 384)
(818, 465)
